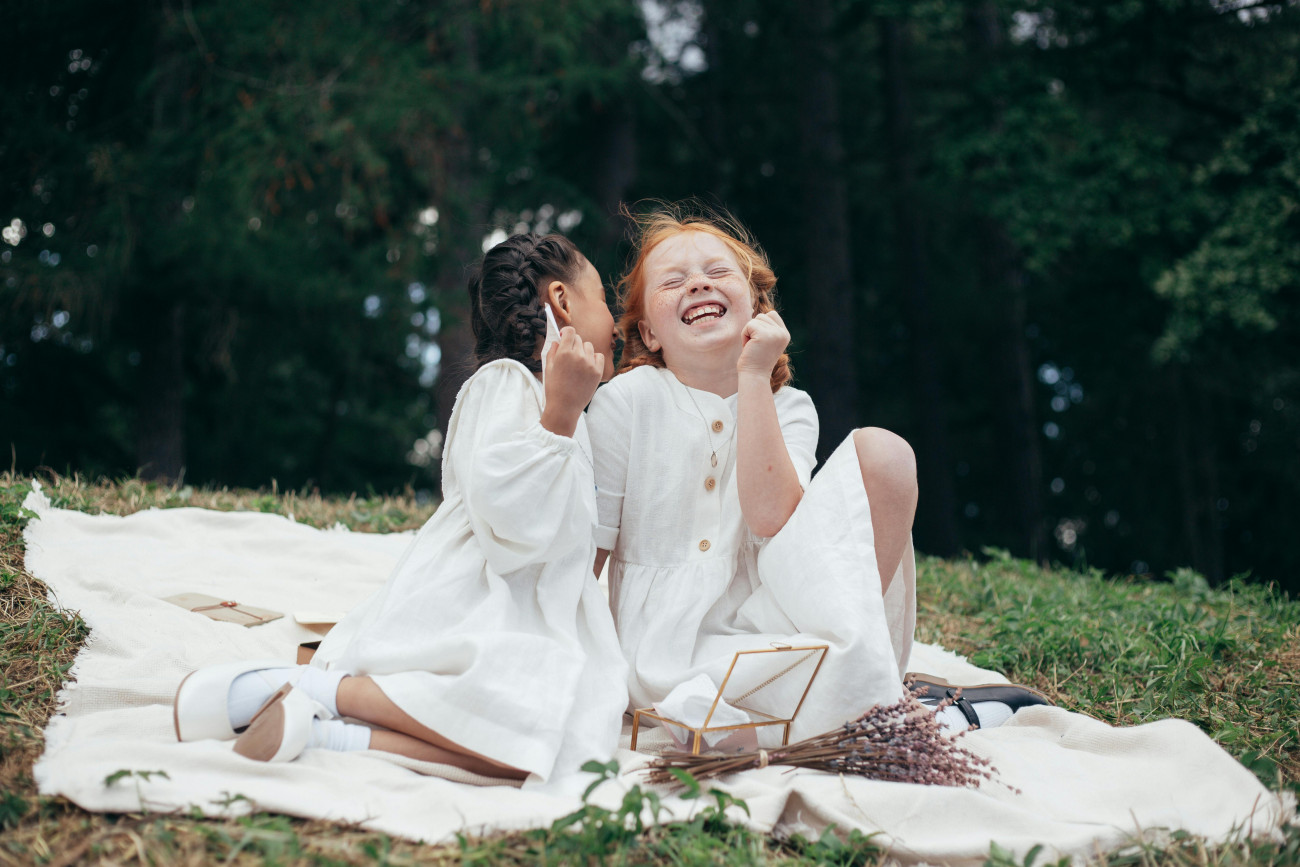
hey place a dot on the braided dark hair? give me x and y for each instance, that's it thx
(506, 305)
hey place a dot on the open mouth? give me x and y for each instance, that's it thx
(703, 312)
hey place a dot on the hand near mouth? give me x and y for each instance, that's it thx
(573, 370)
(764, 339)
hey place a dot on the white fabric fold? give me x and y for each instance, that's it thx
(691, 703)
(528, 492)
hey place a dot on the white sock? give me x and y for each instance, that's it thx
(991, 715)
(952, 720)
(321, 685)
(250, 690)
(335, 734)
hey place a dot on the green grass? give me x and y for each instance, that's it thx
(1128, 650)
(1123, 650)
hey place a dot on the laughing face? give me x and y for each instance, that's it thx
(698, 300)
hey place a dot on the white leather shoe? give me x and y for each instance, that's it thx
(281, 730)
(200, 710)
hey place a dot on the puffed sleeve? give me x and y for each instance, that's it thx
(609, 421)
(528, 491)
(798, 417)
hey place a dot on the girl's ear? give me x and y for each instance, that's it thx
(647, 336)
(557, 295)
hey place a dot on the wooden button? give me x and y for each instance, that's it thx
(717, 426)
(704, 544)
(710, 483)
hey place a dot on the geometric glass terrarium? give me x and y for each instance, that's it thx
(768, 685)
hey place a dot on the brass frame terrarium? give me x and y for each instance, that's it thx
(806, 653)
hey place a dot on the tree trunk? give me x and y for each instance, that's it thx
(936, 525)
(464, 223)
(614, 174)
(715, 123)
(1198, 482)
(1003, 281)
(829, 363)
(1013, 375)
(1213, 567)
(323, 461)
(160, 400)
(160, 416)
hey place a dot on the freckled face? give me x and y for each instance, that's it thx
(698, 299)
(590, 314)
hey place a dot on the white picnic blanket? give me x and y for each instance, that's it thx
(1068, 781)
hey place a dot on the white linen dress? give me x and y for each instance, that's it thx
(492, 630)
(690, 584)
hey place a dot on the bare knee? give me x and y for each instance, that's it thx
(887, 461)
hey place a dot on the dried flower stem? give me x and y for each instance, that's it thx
(901, 742)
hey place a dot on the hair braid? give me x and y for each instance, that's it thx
(506, 304)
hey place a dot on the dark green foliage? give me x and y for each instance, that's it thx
(1103, 203)
(1139, 161)
(273, 184)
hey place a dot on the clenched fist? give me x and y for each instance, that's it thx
(572, 370)
(764, 339)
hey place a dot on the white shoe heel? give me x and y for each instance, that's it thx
(281, 729)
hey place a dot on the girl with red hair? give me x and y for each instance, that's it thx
(720, 538)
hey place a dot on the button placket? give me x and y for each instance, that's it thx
(717, 417)
(709, 516)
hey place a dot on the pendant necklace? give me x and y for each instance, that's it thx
(713, 457)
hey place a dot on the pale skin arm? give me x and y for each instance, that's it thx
(766, 479)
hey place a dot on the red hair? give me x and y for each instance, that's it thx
(666, 221)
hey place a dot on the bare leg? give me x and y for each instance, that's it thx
(889, 475)
(361, 698)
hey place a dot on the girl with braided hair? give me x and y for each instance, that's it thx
(489, 648)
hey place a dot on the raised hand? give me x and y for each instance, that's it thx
(764, 339)
(572, 370)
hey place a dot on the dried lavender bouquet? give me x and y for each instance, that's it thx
(901, 742)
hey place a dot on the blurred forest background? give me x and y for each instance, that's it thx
(1055, 244)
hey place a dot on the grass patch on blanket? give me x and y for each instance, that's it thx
(1123, 650)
